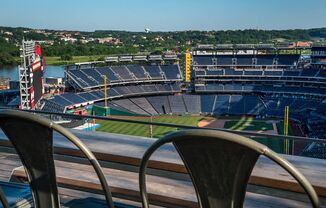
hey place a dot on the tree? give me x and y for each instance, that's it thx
(66, 57)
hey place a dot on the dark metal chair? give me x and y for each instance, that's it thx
(15, 195)
(3, 199)
(219, 165)
(32, 137)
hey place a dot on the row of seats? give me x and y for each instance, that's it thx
(159, 105)
(315, 150)
(94, 77)
(316, 125)
(231, 104)
(50, 106)
(75, 99)
(307, 72)
(247, 60)
(214, 87)
(215, 104)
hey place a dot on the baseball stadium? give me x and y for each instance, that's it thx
(238, 87)
(226, 123)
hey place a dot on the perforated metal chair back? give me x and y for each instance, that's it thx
(219, 165)
(32, 137)
(209, 162)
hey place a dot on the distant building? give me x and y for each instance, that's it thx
(8, 33)
(159, 38)
(49, 42)
(109, 40)
(306, 44)
(69, 39)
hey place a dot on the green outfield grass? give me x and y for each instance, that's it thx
(55, 60)
(280, 128)
(248, 124)
(277, 144)
(144, 130)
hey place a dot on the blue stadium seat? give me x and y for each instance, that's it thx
(149, 88)
(176, 87)
(215, 87)
(72, 77)
(252, 105)
(143, 103)
(291, 73)
(138, 71)
(322, 73)
(207, 103)
(192, 103)
(200, 72)
(288, 59)
(233, 72)
(81, 75)
(135, 89)
(61, 101)
(172, 72)
(265, 60)
(122, 90)
(244, 60)
(160, 104)
(215, 72)
(154, 72)
(123, 72)
(51, 106)
(237, 105)
(221, 104)
(88, 96)
(127, 104)
(94, 75)
(253, 72)
(224, 60)
(73, 98)
(177, 104)
(273, 73)
(202, 59)
(110, 75)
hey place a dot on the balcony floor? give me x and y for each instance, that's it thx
(71, 172)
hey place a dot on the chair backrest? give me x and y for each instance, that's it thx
(219, 165)
(209, 162)
(3, 200)
(32, 137)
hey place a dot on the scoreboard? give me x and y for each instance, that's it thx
(31, 76)
(36, 82)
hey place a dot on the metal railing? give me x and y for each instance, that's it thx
(150, 124)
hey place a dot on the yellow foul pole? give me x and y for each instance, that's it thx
(286, 129)
(105, 94)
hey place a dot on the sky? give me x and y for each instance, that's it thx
(163, 15)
